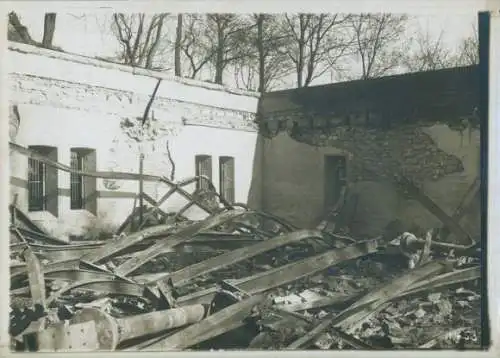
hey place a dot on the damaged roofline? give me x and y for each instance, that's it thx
(81, 59)
(407, 75)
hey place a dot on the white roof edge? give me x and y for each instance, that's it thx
(71, 57)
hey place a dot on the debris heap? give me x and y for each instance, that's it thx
(239, 279)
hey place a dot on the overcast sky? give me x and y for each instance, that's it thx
(81, 33)
(88, 33)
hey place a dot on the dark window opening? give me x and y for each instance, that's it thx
(83, 189)
(76, 181)
(43, 181)
(226, 177)
(36, 185)
(335, 179)
(203, 167)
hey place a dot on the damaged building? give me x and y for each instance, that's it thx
(150, 212)
(317, 140)
(313, 141)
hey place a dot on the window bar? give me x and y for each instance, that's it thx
(203, 167)
(76, 182)
(36, 185)
(227, 178)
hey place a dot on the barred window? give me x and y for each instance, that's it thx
(76, 180)
(36, 185)
(83, 189)
(43, 181)
(226, 177)
(203, 167)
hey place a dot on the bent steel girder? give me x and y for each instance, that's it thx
(123, 242)
(114, 287)
(179, 237)
(183, 276)
(212, 326)
(291, 272)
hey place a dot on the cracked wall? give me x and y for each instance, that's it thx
(69, 101)
(443, 161)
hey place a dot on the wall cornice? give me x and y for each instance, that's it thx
(57, 93)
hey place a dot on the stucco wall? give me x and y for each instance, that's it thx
(443, 161)
(449, 191)
(68, 101)
(293, 179)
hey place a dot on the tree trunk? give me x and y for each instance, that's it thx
(154, 46)
(49, 26)
(219, 59)
(260, 47)
(300, 64)
(178, 39)
(20, 29)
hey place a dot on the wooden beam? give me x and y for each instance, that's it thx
(179, 237)
(430, 205)
(186, 274)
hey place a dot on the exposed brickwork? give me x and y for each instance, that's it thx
(379, 153)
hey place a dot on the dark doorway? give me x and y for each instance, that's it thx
(335, 179)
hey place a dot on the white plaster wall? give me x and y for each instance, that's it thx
(67, 104)
(449, 191)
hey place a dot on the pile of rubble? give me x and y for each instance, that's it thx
(238, 279)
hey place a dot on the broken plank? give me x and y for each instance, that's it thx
(212, 326)
(182, 235)
(337, 299)
(468, 199)
(168, 194)
(78, 275)
(184, 209)
(117, 287)
(287, 225)
(186, 274)
(188, 196)
(35, 278)
(32, 235)
(444, 280)
(155, 209)
(435, 209)
(123, 242)
(288, 273)
(54, 266)
(128, 221)
(56, 255)
(305, 267)
(370, 303)
(30, 225)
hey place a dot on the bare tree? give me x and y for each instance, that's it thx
(226, 34)
(177, 46)
(468, 51)
(17, 31)
(376, 42)
(194, 46)
(264, 61)
(429, 54)
(316, 43)
(49, 26)
(139, 37)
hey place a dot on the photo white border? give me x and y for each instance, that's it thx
(450, 7)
